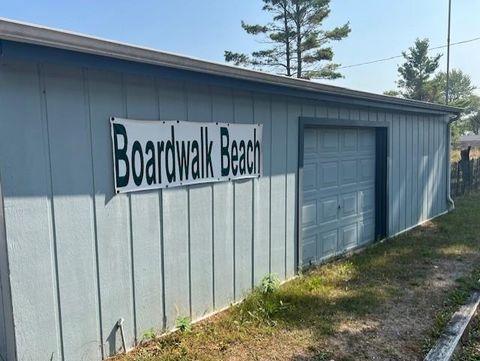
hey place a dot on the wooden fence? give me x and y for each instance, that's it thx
(465, 177)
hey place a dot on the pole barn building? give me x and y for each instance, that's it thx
(337, 169)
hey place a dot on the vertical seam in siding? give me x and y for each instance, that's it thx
(270, 193)
(94, 211)
(439, 170)
(412, 173)
(253, 205)
(419, 172)
(3, 293)
(189, 251)
(162, 258)
(162, 234)
(7, 294)
(436, 165)
(56, 280)
(429, 160)
(212, 199)
(405, 170)
(234, 225)
(2, 278)
(425, 167)
(286, 191)
(406, 195)
(131, 250)
(189, 244)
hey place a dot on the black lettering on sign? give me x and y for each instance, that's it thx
(242, 157)
(180, 155)
(195, 160)
(170, 146)
(209, 154)
(224, 142)
(183, 160)
(121, 155)
(160, 150)
(256, 152)
(151, 173)
(137, 149)
(202, 155)
(234, 157)
(249, 164)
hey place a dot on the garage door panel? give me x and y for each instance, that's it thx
(366, 230)
(366, 169)
(349, 140)
(366, 200)
(310, 252)
(329, 210)
(309, 213)
(328, 175)
(348, 172)
(310, 142)
(329, 241)
(338, 210)
(310, 177)
(348, 204)
(349, 236)
(366, 140)
(328, 141)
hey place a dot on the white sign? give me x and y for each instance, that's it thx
(163, 154)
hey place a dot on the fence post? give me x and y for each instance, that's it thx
(461, 180)
(457, 193)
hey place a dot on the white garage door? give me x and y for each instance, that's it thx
(338, 211)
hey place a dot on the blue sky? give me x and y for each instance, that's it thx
(204, 29)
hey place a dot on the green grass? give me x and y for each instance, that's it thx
(302, 314)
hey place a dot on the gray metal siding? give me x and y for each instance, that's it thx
(3, 344)
(7, 341)
(82, 257)
(3, 282)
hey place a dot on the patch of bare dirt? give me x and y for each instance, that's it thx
(397, 330)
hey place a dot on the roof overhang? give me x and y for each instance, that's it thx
(47, 37)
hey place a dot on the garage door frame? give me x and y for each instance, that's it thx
(381, 172)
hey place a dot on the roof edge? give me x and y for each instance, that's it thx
(44, 36)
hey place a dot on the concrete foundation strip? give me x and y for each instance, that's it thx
(445, 347)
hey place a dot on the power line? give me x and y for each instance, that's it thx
(401, 56)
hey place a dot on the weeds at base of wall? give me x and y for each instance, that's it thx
(183, 323)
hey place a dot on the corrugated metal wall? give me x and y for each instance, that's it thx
(82, 257)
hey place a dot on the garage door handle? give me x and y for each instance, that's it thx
(339, 207)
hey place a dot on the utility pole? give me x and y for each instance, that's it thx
(448, 51)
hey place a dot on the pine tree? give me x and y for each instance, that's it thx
(415, 73)
(299, 45)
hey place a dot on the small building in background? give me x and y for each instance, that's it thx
(471, 140)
